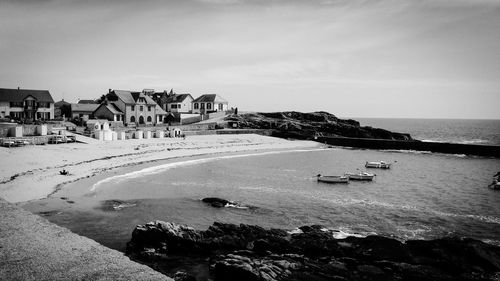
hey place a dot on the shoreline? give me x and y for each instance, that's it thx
(35, 174)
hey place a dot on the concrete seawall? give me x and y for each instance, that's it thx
(32, 248)
(450, 148)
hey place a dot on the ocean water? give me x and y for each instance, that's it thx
(466, 131)
(423, 196)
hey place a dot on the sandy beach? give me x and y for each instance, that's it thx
(32, 172)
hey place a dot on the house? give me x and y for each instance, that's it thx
(209, 103)
(62, 109)
(83, 111)
(25, 104)
(182, 103)
(108, 111)
(137, 107)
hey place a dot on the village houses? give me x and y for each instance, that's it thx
(26, 105)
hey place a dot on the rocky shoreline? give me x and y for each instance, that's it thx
(298, 125)
(248, 252)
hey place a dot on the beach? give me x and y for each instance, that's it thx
(32, 172)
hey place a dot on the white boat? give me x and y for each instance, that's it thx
(378, 164)
(363, 176)
(333, 179)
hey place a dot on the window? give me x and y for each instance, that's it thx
(132, 119)
(209, 106)
(149, 119)
(221, 106)
(196, 106)
(30, 103)
(149, 108)
(133, 107)
(173, 106)
(16, 104)
(202, 106)
(141, 108)
(44, 105)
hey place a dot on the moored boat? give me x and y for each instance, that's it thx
(363, 176)
(495, 185)
(378, 164)
(333, 179)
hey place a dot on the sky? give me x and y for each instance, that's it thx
(352, 58)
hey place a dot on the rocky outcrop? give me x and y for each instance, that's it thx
(247, 252)
(306, 125)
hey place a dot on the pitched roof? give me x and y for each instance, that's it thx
(129, 97)
(125, 96)
(178, 98)
(18, 95)
(61, 103)
(84, 107)
(86, 102)
(160, 111)
(111, 107)
(210, 98)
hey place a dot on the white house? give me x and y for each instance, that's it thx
(26, 104)
(209, 103)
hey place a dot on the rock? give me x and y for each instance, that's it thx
(183, 276)
(216, 202)
(249, 252)
(292, 124)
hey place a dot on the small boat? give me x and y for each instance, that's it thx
(363, 176)
(495, 185)
(333, 179)
(378, 164)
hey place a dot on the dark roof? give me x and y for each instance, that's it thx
(18, 95)
(111, 107)
(178, 98)
(129, 97)
(61, 103)
(210, 98)
(84, 107)
(86, 102)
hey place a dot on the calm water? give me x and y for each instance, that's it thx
(423, 196)
(442, 130)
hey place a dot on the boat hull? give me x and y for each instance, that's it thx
(379, 165)
(361, 177)
(333, 179)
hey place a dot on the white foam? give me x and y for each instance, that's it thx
(168, 166)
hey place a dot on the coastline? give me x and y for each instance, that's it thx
(34, 170)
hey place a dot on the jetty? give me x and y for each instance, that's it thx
(438, 147)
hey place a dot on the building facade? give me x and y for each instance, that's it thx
(26, 105)
(209, 103)
(182, 103)
(137, 107)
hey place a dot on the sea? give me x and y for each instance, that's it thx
(423, 196)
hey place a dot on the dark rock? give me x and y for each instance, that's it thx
(183, 276)
(299, 125)
(215, 202)
(248, 252)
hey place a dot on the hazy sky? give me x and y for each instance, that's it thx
(387, 58)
